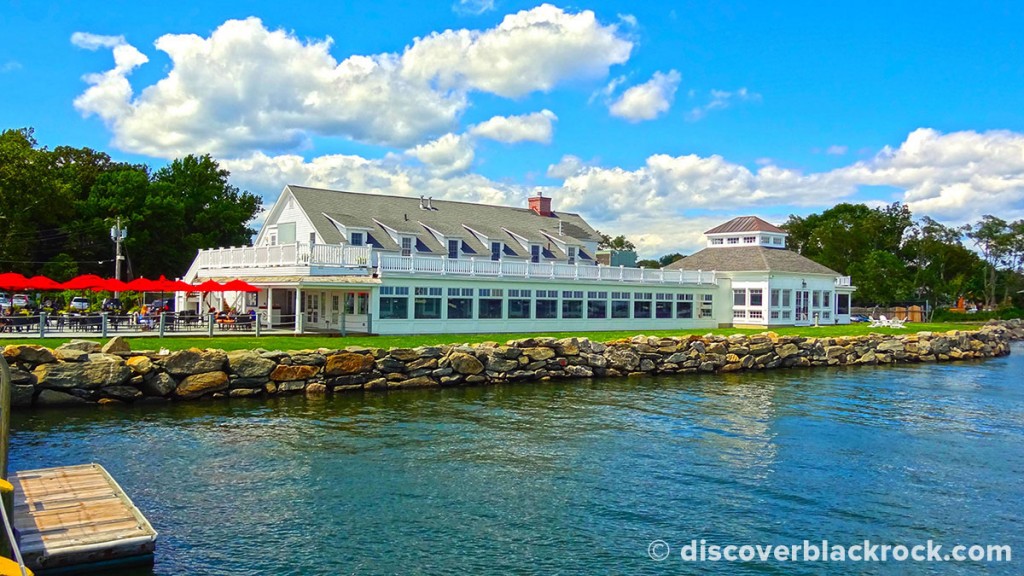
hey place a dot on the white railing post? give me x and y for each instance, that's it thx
(444, 265)
(622, 273)
(552, 269)
(412, 263)
(472, 265)
(576, 272)
(501, 267)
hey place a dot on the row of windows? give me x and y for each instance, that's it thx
(428, 305)
(780, 298)
(455, 248)
(775, 240)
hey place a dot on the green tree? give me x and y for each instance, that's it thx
(993, 238)
(670, 258)
(648, 264)
(881, 278)
(618, 243)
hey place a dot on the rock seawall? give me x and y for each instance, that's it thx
(84, 372)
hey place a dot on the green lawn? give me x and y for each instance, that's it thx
(311, 342)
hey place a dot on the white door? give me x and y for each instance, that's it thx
(801, 312)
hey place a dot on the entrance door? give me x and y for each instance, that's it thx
(801, 313)
(312, 308)
(355, 306)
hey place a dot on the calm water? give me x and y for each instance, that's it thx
(568, 478)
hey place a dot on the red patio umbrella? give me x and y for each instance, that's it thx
(112, 285)
(83, 282)
(174, 285)
(143, 285)
(13, 281)
(43, 283)
(239, 286)
(209, 286)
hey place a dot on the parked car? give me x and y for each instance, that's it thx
(22, 301)
(5, 300)
(859, 318)
(79, 303)
(112, 305)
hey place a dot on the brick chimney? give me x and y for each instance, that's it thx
(541, 205)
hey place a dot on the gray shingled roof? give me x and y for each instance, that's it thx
(448, 218)
(745, 224)
(750, 259)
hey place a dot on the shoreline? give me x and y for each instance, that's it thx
(83, 372)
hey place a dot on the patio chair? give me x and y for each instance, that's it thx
(897, 323)
(881, 322)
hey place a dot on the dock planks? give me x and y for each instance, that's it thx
(74, 515)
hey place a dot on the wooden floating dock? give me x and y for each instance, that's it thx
(75, 516)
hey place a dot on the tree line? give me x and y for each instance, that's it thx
(57, 208)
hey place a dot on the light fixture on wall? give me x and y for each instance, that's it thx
(803, 283)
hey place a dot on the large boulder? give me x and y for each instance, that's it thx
(87, 346)
(158, 384)
(53, 398)
(123, 393)
(248, 364)
(140, 364)
(465, 363)
(88, 375)
(198, 385)
(285, 373)
(117, 345)
(30, 354)
(345, 363)
(21, 395)
(195, 361)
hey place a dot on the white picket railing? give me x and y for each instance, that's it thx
(395, 264)
(298, 254)
(843, 281)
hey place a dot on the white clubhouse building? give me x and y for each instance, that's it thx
(331, 261)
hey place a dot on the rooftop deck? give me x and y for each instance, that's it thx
(323, 260)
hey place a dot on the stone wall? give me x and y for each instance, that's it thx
(84, 372)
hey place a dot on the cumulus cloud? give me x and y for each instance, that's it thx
(246, 87)
(955, 177)
(836, 150)
(446, 155)
(535, 127)
(528, 51)
(720, 100)
(648, 100)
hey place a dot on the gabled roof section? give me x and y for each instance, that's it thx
(750, 259)
(745, 224)
(445, 217)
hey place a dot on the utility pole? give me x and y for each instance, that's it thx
(118, 234)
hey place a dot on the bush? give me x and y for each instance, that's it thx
(945, 315)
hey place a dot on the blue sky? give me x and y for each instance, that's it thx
(656, 120)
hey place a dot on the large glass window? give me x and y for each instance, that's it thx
(707, 305)
(842, 303)
(460, 303)
(662, 309)
(787, 297)
(572, 304)
(546, 305)
(684, 310)
(427, 303)
(620, 304)
(642, 304)
(519, 303)
(597, 304)
(826, 299)
(394, 302)
(491, 303)
(775, 297)
(739, 297)
(816, 299)
(756, 297)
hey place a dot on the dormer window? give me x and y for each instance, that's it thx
(717, 241)
(406, 246)
(495, 251)
(733, 240)
(570, 251)
(535, 253)
(750, 239)
(453, 248)
(357, 239)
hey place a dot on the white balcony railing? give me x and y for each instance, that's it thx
(285, 255)
(428, 265)
(843, 281)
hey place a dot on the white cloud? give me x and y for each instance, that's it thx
(90, 41)
(10, 66)
(529, 51)
(246, 87)
(955, 177)
(836, 150)
(449, 154)
(473, 7)
(720, 100)
(535, 127)
(568, 166)
(648, 100)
